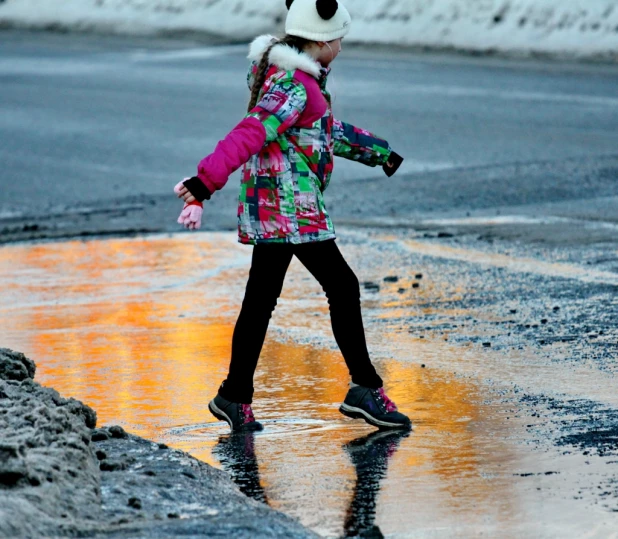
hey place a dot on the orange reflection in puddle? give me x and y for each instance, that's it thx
(140, 329)
(120, 324)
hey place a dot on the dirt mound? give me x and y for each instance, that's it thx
(59, 476)
(48, 471)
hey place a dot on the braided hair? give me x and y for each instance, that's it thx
(326, 9)
(295, 42)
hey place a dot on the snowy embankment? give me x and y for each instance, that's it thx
(581, 28)
(61, 477)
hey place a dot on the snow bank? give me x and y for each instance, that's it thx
(571, 27)
(228, 19)
(583, 28)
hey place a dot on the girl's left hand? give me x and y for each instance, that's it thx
(393, 164)
(182, 192)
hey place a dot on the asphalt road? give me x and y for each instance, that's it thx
(94, 132)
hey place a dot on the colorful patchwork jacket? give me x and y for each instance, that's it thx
(287, 144)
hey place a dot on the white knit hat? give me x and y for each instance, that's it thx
(317, 20)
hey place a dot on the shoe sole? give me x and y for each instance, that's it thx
(359, 413)
(221, 415)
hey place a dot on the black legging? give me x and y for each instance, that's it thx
(269, 265)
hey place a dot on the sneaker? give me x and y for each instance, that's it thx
(374, 407)
(239, 416)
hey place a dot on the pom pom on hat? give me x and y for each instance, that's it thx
(317, 20)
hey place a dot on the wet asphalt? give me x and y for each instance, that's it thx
(497, 245)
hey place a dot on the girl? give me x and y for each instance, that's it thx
(287, 142)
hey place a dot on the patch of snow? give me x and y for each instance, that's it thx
(573, 27)
(235, 21)
(561, 27)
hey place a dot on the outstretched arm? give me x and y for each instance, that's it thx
(278, 109)
(356, 144)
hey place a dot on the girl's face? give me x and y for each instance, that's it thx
(327, 51)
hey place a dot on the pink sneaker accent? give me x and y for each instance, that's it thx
(390, 405)
(247, 413)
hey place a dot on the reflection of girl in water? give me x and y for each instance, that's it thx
(369, 454)
(287, 143)
(236, 453)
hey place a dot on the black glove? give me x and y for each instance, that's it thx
(394, 159)
(197, 188)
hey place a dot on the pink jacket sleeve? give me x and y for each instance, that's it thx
(278, 109)
(244, 141)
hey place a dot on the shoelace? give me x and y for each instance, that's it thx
(389, 404)
(247, 412)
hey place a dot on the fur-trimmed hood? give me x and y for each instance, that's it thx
(284, 56)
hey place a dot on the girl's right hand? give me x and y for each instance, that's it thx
(191, 215)
(182, 192)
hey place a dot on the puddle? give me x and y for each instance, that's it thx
(140, 329)
(519, 265)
